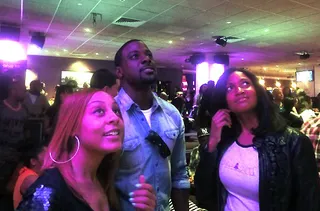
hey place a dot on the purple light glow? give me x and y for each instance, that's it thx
(205, 73)
(202, 75)
(33, 49)
(216, 70)
(11, 51)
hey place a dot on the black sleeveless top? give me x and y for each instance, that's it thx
(51, 193)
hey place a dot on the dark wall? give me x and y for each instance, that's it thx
(49, 70)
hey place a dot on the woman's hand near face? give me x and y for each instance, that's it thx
(218, 121)
(144, 198)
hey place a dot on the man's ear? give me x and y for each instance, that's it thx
(105, 89)
(119, 72)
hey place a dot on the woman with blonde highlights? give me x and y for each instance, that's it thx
(82, 159)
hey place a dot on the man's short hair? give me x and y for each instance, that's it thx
(118, 56)
(102, 78)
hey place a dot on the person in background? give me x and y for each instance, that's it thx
(154, 143)
(51, 114)
(292, 118)
(13, 116)
(82, 159)
(164, 96)
(202, 90)
(252, 160)
(12, 120)
(29, 173)
(305, 108)
(104, 80)
(179, 102)
(311, 128)
(277, 98)
(35, 102)
(286, 91)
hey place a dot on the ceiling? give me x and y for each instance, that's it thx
(270, 30)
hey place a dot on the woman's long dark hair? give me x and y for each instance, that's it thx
(269, 118)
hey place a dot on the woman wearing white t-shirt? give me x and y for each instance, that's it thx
(252, 160)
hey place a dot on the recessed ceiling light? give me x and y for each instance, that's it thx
(65, 50)
(228, 22)
(122, 0)
(97, 54)
(264, 68)
(107, 57)
(87, 30)
(266, 30)
(79, 4)
(299, 64)
(242, 59)
(170, 42)
(277, 65)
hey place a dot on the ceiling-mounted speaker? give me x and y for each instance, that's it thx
(221, 59)
(196, 58)
(9, 32)
(38, 39)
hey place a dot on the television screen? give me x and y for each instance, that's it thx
(306, 75)
(81, 78)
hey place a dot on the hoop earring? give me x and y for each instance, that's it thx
(62, 162)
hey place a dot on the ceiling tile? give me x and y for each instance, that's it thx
(277, 6)
(227, 9)
(299, 12)
(155, 6)
(140, 14)
(314, 19)
(249, 3)
(203, 5)
(175, 30)
(272, 20)
(126, 3)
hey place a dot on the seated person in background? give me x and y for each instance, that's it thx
(277, 98)
(293, 119)
(28, 174)
(178, 102)
(164, 96)
(306, 111)
(105, 80)
(82, 158)
(312, 129)
(36, 103)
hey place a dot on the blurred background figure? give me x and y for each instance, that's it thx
(164, 96)
(179, 102)
(277, 97)
(293, 119)
(29, 173)
(36, 103)
(105, 80)
(52, 113)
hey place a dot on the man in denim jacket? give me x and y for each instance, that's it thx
(154, 143)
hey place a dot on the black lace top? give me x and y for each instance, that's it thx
(51, 193)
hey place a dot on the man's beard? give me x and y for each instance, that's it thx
(148, 80)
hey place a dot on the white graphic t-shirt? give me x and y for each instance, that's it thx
(239, 173)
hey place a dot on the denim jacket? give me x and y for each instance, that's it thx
(140, 157)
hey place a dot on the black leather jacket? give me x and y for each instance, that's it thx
(287, 168)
